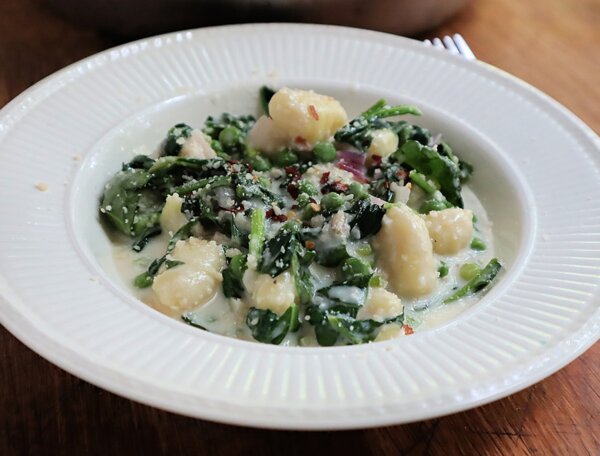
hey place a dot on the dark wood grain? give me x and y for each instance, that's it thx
(43, 410)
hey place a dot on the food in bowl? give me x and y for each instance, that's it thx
(302, 227)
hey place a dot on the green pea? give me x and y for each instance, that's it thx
(230, 136)
(359, 191)
(309, 211)
(303, 200)
(478, 244)
(306, 186)
(355, 266)
(286, 157)
(434, 205)
(332, 201)
(377, 282)
(469, 270)
(260, 163)
(443, 269)
(325, 152)
(364, 250)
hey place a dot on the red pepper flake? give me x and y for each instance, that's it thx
(293, 190)
(294, 172)
(408, 330)
(402, 174)
(325, 177)
(337, 186)
(376, 160)
(302, 142)
(310, 245)
(270, 214)
(313, 112)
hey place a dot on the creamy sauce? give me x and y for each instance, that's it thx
(227, 316)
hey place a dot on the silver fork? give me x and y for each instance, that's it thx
(454, 44)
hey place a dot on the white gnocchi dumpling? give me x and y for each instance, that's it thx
(272, 293)
(405, 252)
(197, 145)
(315, 173)
(195, 282)
(389, 331)
(171, 217)
(380, 304)
(306, 114)
(267, 137)
(384, 144)
(450, 229)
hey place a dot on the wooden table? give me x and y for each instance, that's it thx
(552, 44)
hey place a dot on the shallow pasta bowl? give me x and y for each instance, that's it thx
(60, 297)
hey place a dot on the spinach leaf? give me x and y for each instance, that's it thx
(190, 319)
(267, 327)
(279, 250)
(145, 237)
(439, 168)
(301, 260)
(265, 94)
(477, 283)
(176, 137)
(128, 205)
(358, 331)
(233, 285)
(367, 217)
(466, 169)
(359, 131)
(140, 162)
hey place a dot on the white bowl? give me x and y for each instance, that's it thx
(63, 299)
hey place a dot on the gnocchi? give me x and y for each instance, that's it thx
(406, 252)
(299, 227)
(450, 229)
(194, 282)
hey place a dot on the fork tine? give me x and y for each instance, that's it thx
(463, 47)
(437, 43)
(450, 46)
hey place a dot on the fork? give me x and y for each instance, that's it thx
(454, 44)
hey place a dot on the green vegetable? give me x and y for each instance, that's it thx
(376, 282)
(303, 280)
(443, 269)
(213, 126)
(332, 201)
(233, 285)
(438, 168)
(355, 266)
(478, 244)
(176, 138)
(278, 252)
(306, 186)
(367, 217)
(190, 319)
(145, 237)
(434, 205)
(420, 180)
(477, 283)
(128, 205)
(265, 94)
(331, 255)
(359, 131)
(146, 279)
(257, 233)
(267, 327)
(364, 249)
(358, 190)
(469, 270)
(359, 331)
(325, 152)
(230, 137)
(466, 170)
(286, 157)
